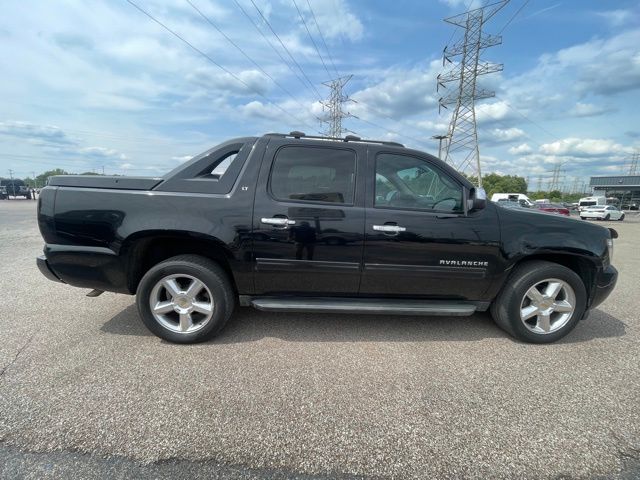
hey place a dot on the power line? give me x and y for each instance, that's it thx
(527, 118)
(416, 129)
(454, 31)
(285, 48)
(340, 33)
(322, 38)
(221, 67)
(304, 22)
(514, 16)
(404, 135)
(219, 30)
(287, 63)
(388, 130)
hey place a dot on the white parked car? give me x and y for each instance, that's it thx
(606, 212)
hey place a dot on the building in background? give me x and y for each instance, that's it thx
(625, 189)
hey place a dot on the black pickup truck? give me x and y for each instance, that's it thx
(288, 222)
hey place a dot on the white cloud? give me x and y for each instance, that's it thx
(251, 81)
(521, 149)
(101, 152)
(400, 93)
(507, 134)
(491, 112)
(617, 18)
(584, 147)
(434, 128)
(599, 66)
(336, 19)
(36, 134)
(182, 158)
(588, 110)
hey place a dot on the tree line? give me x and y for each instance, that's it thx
(41, 180)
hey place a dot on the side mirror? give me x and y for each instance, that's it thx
(477, 199)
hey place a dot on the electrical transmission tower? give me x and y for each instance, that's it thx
(554, 182)
(576, 185)
(462, 145)
(633, 165)
(335, 103)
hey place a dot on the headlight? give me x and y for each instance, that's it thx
(610, 248)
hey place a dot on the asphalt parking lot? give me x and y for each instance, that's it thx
(87, 391)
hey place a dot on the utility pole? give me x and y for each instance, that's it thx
(33, 175)
(440, 138)
(462, 147)
(540, 188)
(13, 187)
(334, 104)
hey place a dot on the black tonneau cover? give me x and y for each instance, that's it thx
(100, 181)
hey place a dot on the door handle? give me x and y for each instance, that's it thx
(389, 228)
(278, 222)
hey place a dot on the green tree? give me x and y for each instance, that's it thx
(43, 178)
(495, 183)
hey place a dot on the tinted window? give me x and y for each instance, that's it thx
(409, 182)
(314, 174)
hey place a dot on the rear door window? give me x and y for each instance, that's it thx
(314, 174)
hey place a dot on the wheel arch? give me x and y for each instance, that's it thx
(142, 251)
(584, 267)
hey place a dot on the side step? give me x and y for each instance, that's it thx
(360, 305)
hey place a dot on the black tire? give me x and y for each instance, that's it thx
(607, 217)
(582, 218)
(505, 309)
(206, 271)
(621, 219)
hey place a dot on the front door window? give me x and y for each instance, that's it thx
(412, 183)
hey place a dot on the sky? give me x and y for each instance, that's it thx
(100, 86)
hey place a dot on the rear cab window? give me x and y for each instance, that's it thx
(215, 171)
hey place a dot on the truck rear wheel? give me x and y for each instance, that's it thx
(185, 299)
(541, 302)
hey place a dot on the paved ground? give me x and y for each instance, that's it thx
(86, 391)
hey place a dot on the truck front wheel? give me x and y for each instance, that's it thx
(541, 302)
(185, 299)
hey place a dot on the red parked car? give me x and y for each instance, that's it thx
(553, 208)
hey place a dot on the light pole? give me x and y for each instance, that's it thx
(440, 138)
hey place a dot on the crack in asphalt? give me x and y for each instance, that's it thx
(69, 464)
(15, 358)
(625, 450)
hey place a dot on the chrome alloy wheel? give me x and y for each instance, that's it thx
(181, 303)
(547, 306)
